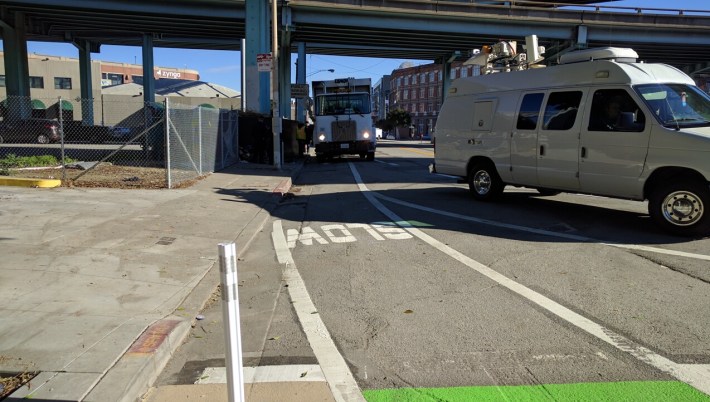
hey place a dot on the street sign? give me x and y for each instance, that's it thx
(263, 61)
(299, 91)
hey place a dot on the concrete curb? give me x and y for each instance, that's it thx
(26, 182)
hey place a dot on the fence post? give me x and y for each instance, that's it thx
(199, 137)
(166, 120)
(61, 139)
(230, 314)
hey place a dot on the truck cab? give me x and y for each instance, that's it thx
(343, 122)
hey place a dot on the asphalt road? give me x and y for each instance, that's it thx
(422, 288)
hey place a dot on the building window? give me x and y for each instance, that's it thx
(2, 81)
(464, 71)
(431, 92)
(421, 93)
(62, 83)
(414, 79)
(37, 82)
(405, 94)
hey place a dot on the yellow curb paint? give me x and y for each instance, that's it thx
(24, 182)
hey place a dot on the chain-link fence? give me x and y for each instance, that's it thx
(115, 141)
(201, 140)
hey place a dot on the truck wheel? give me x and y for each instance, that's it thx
(320, 158)
(370, 156)
(43, 139)
(484, 182)
(680, 208)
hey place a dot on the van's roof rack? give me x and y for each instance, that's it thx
(618, 54)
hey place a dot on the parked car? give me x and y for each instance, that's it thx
(41, 131)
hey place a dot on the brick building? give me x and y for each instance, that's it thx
(418, 90)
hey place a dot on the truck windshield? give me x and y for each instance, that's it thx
(676, 105)
(342, 104)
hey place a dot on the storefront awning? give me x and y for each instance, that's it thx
(66, 105)
(38, 104)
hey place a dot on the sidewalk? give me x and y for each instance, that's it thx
(101, 286)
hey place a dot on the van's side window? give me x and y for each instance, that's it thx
(561, 110)
(615, 110)
(529, 111)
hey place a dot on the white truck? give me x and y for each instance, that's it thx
(343, 121)
(598, 123)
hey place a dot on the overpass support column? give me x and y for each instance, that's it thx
(148, 67)
(301, 79)
(87, 90)
(581, 39)
(285, 80)
(17, 74)
(257, 41)
(446, 74)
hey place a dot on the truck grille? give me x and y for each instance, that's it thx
(343, 130)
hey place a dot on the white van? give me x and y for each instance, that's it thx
(597, 123)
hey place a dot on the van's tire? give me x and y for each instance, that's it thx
(681, 208)
(370, 156)
(320, 158)
(484, 182)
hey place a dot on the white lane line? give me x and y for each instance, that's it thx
(386, 163)
(693, 375)
(286, 373)
(340, 380)
(585, 239)
(660, 251)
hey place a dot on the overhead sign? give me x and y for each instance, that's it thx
(264, 61)
(299, 91)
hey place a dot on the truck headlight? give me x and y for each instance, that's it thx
(321, 137)
(366, 135)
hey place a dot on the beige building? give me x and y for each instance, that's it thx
(55, 77)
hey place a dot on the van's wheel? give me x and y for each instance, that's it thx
(484, 182)
(320, 158)
(370, 156)
(43, 139)
(362, 155)
(681, 208)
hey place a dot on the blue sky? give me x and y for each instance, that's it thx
(223, 67)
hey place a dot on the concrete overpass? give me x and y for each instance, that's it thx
(414, 29)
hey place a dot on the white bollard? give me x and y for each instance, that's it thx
(230, 313)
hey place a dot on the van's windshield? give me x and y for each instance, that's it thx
(676, 105)
(342, 104)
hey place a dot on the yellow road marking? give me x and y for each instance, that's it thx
(419, 151)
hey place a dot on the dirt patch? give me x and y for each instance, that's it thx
(9, 383)
(109, 176)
